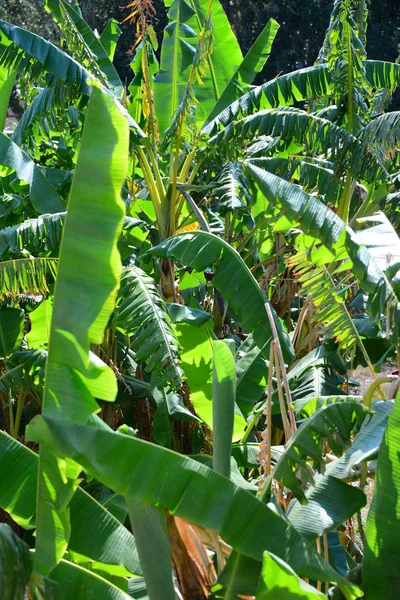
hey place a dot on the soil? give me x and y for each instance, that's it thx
(364, 378)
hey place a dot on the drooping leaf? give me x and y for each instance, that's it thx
(366, 443)
(319, 221)
(17, 45)
(109, 543)
(188, 489)
(33, 235)
(44, 197)
(66, 16)
(278, 580)
(73, 578)
(309, 131)
(381, 239)
(314, 175)
(285, 90)
(382, 133)
(231, 191)
(26, 276)
(302, 84)
(330, 502)
(335, 423)
(201, 250)
(180, 313)
(43, 106)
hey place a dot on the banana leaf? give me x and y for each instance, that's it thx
(200, 250)
(89, 39)
(380, 571)
(15, 565)
(223, 399)
(197, 363)
(186, 19)
(73, 579)
(11, 330)
(44, 197)
(252, 64)
(109, 544)
(278, 580)
(17, 44)
(187, 488)
(87, 282)
(7, 79)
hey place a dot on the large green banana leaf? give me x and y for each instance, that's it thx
(7, 79)
(310, 131)
(252, 64)
(380, 573)
(109, 542)
(15, 43)
(312, 176)
(44, 197)
(186, 19)
(197, 364)
(302, 84)
(278, 580)
(223, 394)
(231, 278)
(88, 277)
(187, 488)
(40, 320)
(73, 579)
(109, 38)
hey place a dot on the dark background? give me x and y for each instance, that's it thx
(303, 24)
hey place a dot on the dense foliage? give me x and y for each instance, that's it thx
(191, 268)
(303, 24)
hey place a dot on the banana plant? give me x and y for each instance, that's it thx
(142, 229)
